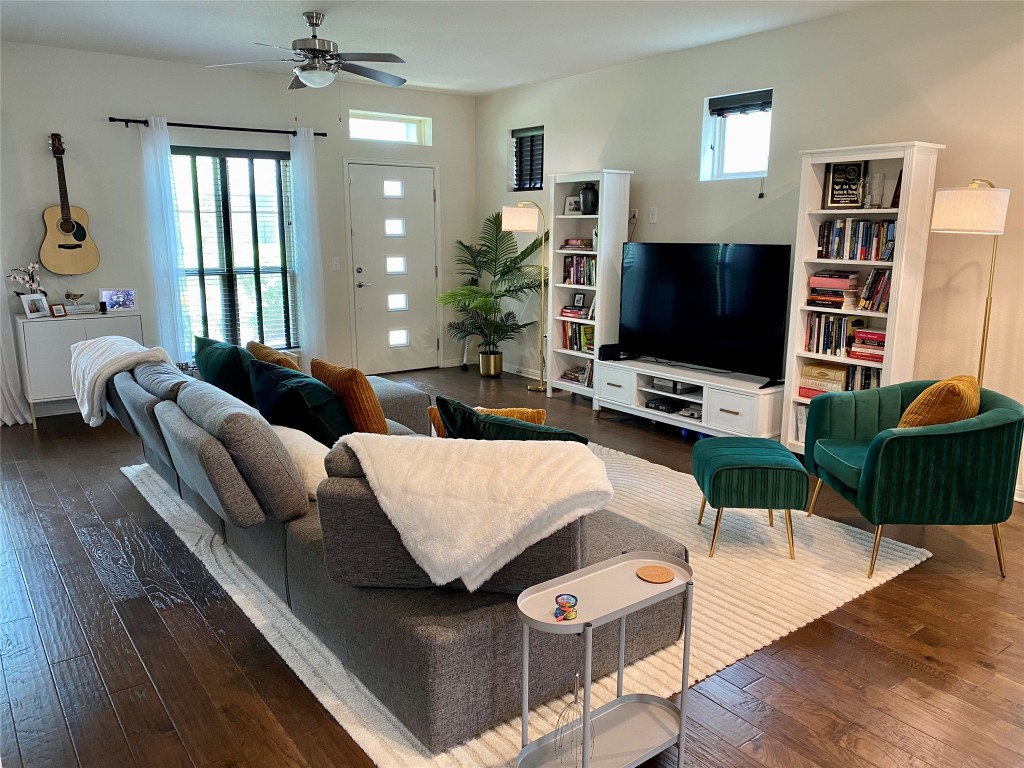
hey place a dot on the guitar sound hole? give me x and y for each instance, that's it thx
(67, 227)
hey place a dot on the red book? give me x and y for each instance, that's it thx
(862, 334)
(858, 355)
(808, 392)
(837, 283)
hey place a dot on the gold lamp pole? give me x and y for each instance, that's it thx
(974, 210)
(520, 218)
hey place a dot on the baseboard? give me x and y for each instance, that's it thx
(451, 362)
(530, 373)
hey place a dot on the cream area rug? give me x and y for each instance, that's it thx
(747, 596)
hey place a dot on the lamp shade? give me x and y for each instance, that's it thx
(970, 210)
(519, 219)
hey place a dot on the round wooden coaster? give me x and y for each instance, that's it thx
(655, 574)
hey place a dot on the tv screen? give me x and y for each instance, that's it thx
(721, 306)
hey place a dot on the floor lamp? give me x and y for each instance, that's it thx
(974, 210)
(522, 218)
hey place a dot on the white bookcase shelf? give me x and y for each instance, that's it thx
(916, 161)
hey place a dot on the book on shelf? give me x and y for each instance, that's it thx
(874, 296)
(865, 335)
(578, 243)
(587, 338)
(827, 334)
(859, 377)
(578, 313)
(809, 392)
(834, 279)
(866, 353)
(579, 374)
(579, 270)
(853, 239)
(824, 371)
(822, 385)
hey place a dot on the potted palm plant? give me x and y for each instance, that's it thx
(496, 272)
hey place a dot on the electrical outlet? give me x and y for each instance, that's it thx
(652, 215)
(634, 213)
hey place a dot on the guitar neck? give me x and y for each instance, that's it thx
(65, 209)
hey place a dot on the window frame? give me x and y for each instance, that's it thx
(713, 143)
(515, 178)
(229, 273)
(424, 126)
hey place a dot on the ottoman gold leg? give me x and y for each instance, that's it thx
(703, 503)
(789, 534)
(714, 536)
(814, 498)
(771, 519)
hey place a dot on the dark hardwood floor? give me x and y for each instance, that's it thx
(118, 648)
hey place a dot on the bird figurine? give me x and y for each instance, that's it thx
(73, 297)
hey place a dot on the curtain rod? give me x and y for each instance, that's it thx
(131, 120)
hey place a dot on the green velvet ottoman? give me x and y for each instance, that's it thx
(748, 473)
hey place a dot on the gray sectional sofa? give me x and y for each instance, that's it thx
(446, 662)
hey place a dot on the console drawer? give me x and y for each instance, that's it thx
(729, 410)
(616, 385)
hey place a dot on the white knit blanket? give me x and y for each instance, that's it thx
(465, 508)
(96, 360)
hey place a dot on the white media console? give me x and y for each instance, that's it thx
(729, 404)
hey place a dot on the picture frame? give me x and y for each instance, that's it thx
(844, 185)
(578, 300)
(58, 310)
(572, 206)
(118, 299)
(35, 305)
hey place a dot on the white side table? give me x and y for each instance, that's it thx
(629, 729)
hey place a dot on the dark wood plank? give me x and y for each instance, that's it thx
(10, 755)
(25, 530)
(148, 729)
(739, 675)
(55, 616)
(110, 564)
(95, 730)
(14, 600)
(265, 743)
(200, 726)
(39, 723)
(154, 576)
(235, 761)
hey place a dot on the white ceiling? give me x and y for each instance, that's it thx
(461, 46)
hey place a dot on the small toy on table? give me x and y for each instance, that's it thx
(566, 607)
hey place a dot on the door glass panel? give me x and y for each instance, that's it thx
(398, 302)
(394, 188)
(394, 227)
(398, 337)
(395, 265)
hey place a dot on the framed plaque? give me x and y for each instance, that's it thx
(844, 185)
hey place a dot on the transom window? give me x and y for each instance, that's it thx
(233, 211)
(736, 134)
(380, 126)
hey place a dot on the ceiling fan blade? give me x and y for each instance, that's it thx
(271, 45)
(383, 57)
(261, 61)
(295, 84)
(373, 74)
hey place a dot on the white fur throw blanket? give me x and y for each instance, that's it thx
(465, 508)
(96, 360)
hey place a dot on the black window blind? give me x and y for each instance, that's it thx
(741, 103)
(529, 158)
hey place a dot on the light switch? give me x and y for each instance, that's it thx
(652, 215)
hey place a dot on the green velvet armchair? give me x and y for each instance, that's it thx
(947, 474)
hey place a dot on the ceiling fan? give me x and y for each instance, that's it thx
(319, 60)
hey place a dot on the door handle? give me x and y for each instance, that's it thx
(360, 284)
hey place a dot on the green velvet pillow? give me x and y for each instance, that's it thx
(290, 398)
(461, 421)
(226, 366)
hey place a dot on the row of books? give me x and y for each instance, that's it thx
(579, 270)
(826, 334)
(577, 337)
(868, 345)
(577, 244)
(81, 308)
(817, 379)
(580, 374)
(874, 295)
(833, 289)
(856, 240)
(580, 313)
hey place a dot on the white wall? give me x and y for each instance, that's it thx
(49, 90)
(950, 73)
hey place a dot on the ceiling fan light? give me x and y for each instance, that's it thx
(314, 75)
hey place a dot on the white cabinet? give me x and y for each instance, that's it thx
(912, 165)
(44, 350)
(728, 405)
(584, 259)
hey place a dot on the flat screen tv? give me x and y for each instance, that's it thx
(721, 306)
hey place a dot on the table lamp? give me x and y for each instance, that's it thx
(523, 218)
(974, 210)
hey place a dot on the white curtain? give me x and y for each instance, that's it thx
(306, 230)
(13, 405)
(173, 327)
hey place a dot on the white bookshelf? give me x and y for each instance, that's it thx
(912, 215)
(611, 222)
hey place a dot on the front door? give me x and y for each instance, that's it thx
(394, 263)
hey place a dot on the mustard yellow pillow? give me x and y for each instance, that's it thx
(944, 402)
(530, 415)
(270, 355)
(352, 386)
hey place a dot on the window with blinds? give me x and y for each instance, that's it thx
(233, 211)
(528, 159)
(736, 135)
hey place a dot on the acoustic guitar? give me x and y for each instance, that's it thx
(67, 248)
